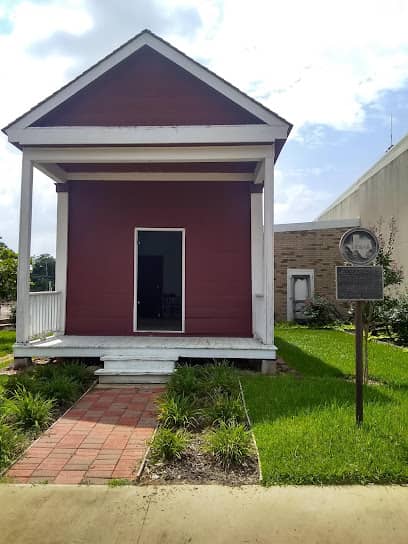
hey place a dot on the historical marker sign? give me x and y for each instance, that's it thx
(359, 246)
(359, 283)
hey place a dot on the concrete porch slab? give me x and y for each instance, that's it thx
(168, 347)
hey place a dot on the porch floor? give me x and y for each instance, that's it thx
(147, 346)
(103, 436)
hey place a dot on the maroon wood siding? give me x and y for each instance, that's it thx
(102, 219)
(147, 89)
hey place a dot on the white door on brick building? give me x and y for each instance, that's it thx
(300, 287)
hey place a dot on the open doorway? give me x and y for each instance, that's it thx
(159, 280)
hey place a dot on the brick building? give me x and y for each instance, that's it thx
(306, 255)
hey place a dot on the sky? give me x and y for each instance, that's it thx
(336, 70)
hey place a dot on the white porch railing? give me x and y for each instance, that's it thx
(45, 313)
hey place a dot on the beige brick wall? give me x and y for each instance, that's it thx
(313, 249)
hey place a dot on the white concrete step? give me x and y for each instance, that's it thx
(131, 369)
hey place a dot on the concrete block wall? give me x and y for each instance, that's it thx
(316, 249)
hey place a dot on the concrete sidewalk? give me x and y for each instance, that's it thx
(50, 514)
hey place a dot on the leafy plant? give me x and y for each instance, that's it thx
(220, 378)
(178, 411)
(223, 409)
(27, 410)
(229, 445)
(321, 312)
(168, 444)
(62, 389)
(398, 319)
(79, 372)
(10, 444)
(17, 382)
(186, 380)
(393, 276)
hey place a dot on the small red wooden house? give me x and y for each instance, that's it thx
(164, 175)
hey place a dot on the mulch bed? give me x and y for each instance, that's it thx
(197, 467)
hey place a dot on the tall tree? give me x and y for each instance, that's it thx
(43, 273)
(8, 273)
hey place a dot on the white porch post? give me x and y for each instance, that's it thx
(24, 247)
(257, 266)
(62, 254)
(268, 251)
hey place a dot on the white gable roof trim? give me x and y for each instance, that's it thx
(147, 38)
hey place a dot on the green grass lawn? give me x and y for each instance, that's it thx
(305, 427)
(7, 339)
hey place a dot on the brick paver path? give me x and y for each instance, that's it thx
(103, 436)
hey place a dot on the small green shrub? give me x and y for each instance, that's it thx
(10, 445)
(168, 445)
(186, 380)
(77, 371)
(16, 382)
(63, 389)
(398, 319)
(321, 312)
(224, 409)
(178, 411)
(28, 411)
(220, 378)
(229, 445)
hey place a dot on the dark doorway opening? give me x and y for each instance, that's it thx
(159, 280)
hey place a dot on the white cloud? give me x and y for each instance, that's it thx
(295, 201)
(315, 63)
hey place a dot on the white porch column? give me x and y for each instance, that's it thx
(24, 248)
(268, 251)
(257, 266)
(62, 252)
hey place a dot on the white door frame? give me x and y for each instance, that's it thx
(183, 276)
(296, 272)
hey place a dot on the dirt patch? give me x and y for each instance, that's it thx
(283, 368)
(197, 467)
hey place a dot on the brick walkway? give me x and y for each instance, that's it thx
(103, 436)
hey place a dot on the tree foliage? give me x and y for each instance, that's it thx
(375, 311)
(8, 273)
(43, 273)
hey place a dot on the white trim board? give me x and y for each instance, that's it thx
(179, 134)
(183, 278)
(234, 153)
(318, 225)
(147, 38)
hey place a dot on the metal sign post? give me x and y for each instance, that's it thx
(359, 283)
(359, 362)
